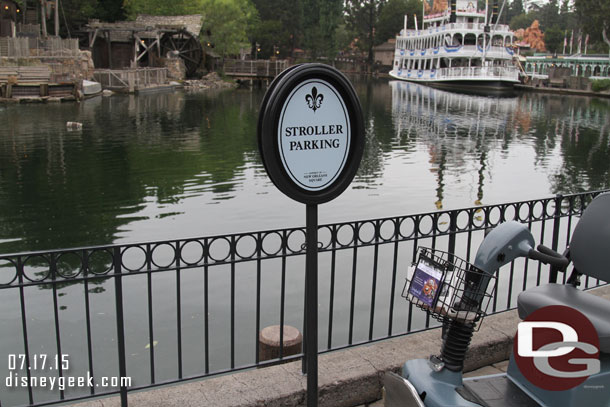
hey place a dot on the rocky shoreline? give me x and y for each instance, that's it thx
(210, 81)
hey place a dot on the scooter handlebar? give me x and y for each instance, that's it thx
(547, 250)
(548, 256)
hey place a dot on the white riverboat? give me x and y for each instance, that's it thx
(458, 48)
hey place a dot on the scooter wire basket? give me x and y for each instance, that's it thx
(448, 288)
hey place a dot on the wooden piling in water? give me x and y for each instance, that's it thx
(269, 342)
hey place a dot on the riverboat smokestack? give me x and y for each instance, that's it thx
(453, 17)
(494, 12)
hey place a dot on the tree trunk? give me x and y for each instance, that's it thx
(56, 19)
(371, 35)
(43, 15)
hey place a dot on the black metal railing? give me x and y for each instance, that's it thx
(199, 304)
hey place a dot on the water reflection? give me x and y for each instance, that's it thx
(176, 165)
(454, 128)
(465, 133)
(63, 189)
(578, 129)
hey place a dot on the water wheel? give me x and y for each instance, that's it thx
(184, 45)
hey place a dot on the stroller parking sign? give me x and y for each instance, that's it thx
(324, 144)
(310, 133)
(311, 139)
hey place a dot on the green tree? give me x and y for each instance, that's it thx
(231, 24)
(162, 8)
(330, 18)
(522, 21)
(281, 23)
(362, 17)
(515, 9)
(343, 37)
(78, 12)
(320, 22)
(270, 35)
(553, 39)
(564, 11)
(110, 10)
(549, 15)
(75, 13)
(567, 17)
(594, 16)
(391, 18)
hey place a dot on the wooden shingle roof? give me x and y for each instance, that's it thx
(192, 23)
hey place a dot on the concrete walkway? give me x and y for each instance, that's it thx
(347, 378)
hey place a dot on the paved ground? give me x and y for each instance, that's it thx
(347, 378)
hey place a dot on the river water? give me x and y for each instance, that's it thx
(177, 165)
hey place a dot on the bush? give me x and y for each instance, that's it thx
(600, 85)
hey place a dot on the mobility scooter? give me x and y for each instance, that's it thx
(457, 293)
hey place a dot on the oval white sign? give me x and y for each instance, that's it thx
(314, 134)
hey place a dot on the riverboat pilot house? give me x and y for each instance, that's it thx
(9, 10)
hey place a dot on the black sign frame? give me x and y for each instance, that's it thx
(268, 123)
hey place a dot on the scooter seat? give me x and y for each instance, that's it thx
(595, 308)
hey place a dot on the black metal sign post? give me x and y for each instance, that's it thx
(311, 139)
(311, 304)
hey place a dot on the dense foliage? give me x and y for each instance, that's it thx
(594, 16)
(566, 21)
(600, 85)
(315, 29)
(231, 24)
(162, 8)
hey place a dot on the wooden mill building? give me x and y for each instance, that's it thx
(133, 44)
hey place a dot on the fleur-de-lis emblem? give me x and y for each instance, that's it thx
(314, 101)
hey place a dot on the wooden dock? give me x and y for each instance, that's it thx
(254, 69)
(31, 82)
(132, 80)
(562, 91)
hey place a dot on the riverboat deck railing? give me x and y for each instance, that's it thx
(239, 284)
(492, 51)
(465, 51)
(501, 28)
(495, 73)
(478, 72)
